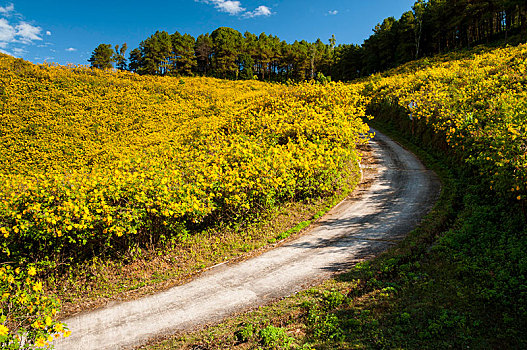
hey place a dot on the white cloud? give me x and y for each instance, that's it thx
(46, 44)
(19, 51)
(229, 6)
(235, 8)
(260, 11)
(7, 32)
(8, 9)
(333, 13)
(71, 49)
(48, 32)
(12, 32)
(28, 33)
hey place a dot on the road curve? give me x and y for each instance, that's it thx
(402, 191)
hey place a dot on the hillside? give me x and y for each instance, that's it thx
(459, 280)
(106, 168)
(105, 171)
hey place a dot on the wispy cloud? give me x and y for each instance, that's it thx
(71, 49)
(7, 10)
(19, 51)
(7, 32)
(48, 33)
(28, 33)
(333, 12)
(14, 30)
(235, 8)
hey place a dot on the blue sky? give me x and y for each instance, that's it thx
(67, 31)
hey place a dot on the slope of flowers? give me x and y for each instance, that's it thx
(473, 112)
(94, 161)
(56, 118)
(477, 105)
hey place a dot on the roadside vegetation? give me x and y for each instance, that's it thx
(104, 171)
(459, 279)
(116, 185)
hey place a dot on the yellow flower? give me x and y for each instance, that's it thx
(37, 287)
(48, 321)
(67, 334)
(41, 342)
(3, 330)
(58, 327)
(32, 271)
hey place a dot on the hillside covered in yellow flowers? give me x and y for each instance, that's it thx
(99, 163)
(94, 158)
(96, 162)
(457, 281)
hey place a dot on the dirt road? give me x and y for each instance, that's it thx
(402, 191)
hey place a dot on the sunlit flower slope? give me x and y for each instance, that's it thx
(473, 108)
(93, 160)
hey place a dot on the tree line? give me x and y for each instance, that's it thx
(433, 27)
(429, 28)
(224, 53)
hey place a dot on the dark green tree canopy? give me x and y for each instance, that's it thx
(428, 28)
(227, 44)
(203, 49)
(102, 57)
(119, 57)
(135, 60)
(184, 57)
(156, 54)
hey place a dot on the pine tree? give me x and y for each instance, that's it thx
(102, 57)
(184, 56)
(120, 60)
(227, 44)
(156, 54)
(135, 60)
(203, 49)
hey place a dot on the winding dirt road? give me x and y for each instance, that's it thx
(402, 191)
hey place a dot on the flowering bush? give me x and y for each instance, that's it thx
(476, 106)
(100, 160)
(26, 314)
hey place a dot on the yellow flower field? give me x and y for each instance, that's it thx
(94, 160)
(97, 161)
(475, 107)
